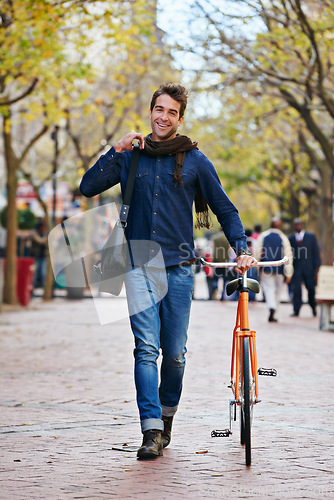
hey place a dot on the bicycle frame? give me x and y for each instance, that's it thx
(242, 330)
(244, 396)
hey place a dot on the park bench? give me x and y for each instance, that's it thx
(325, 296)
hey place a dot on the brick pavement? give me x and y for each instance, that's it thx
(69, 425)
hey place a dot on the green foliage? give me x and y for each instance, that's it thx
(26, 219)
(47, 48)
(3, 217)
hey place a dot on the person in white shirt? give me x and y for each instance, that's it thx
(271, 245)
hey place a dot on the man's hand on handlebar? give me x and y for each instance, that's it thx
(244, 262)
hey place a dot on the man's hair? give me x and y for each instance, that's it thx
(276, 222)
(175, 91)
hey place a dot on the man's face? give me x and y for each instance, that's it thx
(298, 227)
(165, 118)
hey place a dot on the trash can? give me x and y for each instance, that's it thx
(25, 279)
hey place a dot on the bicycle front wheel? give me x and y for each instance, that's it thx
(245, 425)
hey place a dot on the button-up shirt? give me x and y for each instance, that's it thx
(300, 236)
(161, 210)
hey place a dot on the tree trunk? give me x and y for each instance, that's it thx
(9, 293)
(49, 278)
(49, 282)
(325, 221)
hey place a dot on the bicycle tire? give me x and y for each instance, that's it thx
(246, 405)
(242, 427)
(242, 420)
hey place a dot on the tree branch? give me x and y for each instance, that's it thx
(24, 94)
(310, 33)
(317, 133)
(32, 142)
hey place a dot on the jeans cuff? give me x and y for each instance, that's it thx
(151, 423)
(169, 411)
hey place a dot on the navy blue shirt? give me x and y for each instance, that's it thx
(161, 210)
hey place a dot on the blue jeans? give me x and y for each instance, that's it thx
(159, 321)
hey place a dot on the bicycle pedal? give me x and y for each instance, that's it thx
(267, 372)
(221, 433)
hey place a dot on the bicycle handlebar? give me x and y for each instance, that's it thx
(272, 263)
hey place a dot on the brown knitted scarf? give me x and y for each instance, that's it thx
(179, 146)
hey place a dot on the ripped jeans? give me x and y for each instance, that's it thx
(159, 310)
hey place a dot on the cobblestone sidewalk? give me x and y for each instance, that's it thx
(69, 424)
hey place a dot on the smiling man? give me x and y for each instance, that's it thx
(172, 173)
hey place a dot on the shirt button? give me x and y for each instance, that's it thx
(153, 232)
(154, 213)
(156, 195)
(158, 176)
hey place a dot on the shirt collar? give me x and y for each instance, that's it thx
(300, 236)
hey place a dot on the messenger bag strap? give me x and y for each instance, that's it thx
(129, 185)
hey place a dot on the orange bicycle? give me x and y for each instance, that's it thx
(244, 371)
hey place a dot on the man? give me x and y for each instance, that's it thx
(222, 253)
(257, 231)
(171, 174)
(273, 245)
(39, 242)
(306, 263)
(211, 279)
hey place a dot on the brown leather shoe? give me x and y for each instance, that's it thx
(152, 445)
(167, 432)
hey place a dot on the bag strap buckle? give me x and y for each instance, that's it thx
(124, 213)
(121, 223)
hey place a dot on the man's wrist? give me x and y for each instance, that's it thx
(118, 147)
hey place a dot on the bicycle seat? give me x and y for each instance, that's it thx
(253, 285)
(234, 285)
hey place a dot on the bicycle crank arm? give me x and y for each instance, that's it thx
(267, 372)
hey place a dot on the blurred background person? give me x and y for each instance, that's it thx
(271, 245)
(256, 233)
(306, 263)
(39, 251)
(211, 278)
(221, 252)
